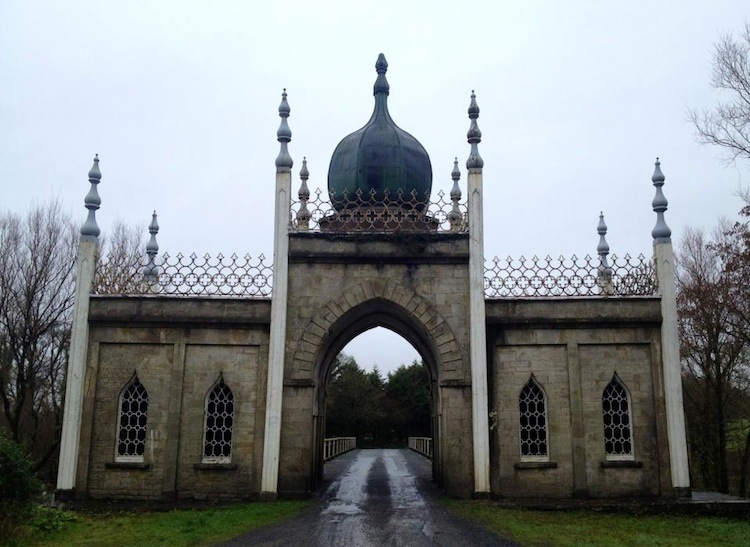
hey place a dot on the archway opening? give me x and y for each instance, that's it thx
(380, 389)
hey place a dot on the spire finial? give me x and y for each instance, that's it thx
(303, 213)
(605, 271)
(455, 175)
(381, 83)
(454, 216)
(284, 135)
(90, 229)
(151, 270)
(661, 232)
(601, 229)
(474, 135)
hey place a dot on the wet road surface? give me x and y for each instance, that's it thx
(375, 497)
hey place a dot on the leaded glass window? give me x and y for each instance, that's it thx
(532, 408)
(131, 434)
(217, 440)
(618, 432)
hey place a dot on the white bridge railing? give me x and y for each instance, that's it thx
(422, 445)
(336, 446)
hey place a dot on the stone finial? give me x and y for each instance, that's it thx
(454, 216)
(151, 270)
(661, 232)
(602, 249)
(92, 201)
(284, 136)
(303, 213)
(456, 176)
(474, 135)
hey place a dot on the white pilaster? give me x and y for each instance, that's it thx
(670, 348)
(478, 335)
(79, 341)
(269, 480)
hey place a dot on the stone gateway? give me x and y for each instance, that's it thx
(197, 378)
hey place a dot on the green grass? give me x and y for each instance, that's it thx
(176, 527)
(584, 528)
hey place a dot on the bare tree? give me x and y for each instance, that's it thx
(37, 260)
(120, 260)
(714, 359)
(37, 267)
(728, 124)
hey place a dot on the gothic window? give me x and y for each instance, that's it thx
(532, 408)
(618, 432)
(131, 434)
(217, 440)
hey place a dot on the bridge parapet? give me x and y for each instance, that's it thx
(421, 445)
(335, 446)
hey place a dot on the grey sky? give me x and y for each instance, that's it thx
(180, 101)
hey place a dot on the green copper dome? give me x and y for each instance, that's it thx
(381, 156)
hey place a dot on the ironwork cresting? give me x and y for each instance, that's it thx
(377, 212)
(248, 277)
(565, 277)
(187, 275)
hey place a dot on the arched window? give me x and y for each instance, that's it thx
(217, 438)
(532, 409)
(618, 432)
(131, 434)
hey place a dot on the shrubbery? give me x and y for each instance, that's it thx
(19, 487)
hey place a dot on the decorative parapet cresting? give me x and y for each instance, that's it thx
(378, 211)
(569, 277)
(185, 275)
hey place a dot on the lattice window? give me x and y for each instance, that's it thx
(618, 432)
(131, 435)
(532, 408)
(217, 439)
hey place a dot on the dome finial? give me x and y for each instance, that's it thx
(381, 84)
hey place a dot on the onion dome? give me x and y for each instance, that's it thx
(379, 160)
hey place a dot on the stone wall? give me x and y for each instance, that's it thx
(343, 284)
(178, 348)
(573, 348)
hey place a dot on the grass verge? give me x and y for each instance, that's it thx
(176, 527)
(584, 528)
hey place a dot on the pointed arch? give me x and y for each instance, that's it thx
(617, 412)
(133, 416)
(370, 304)
(218, 423)
(532, 411)
(361, 307)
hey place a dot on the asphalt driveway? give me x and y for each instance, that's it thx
(374, 497)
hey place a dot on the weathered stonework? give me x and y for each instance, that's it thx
(573, 348)
(341, 285)
(178, 348)
(379, 257)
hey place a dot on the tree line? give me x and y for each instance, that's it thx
(380, 412)
(713, 295)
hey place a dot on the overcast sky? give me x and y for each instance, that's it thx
(179, 99)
